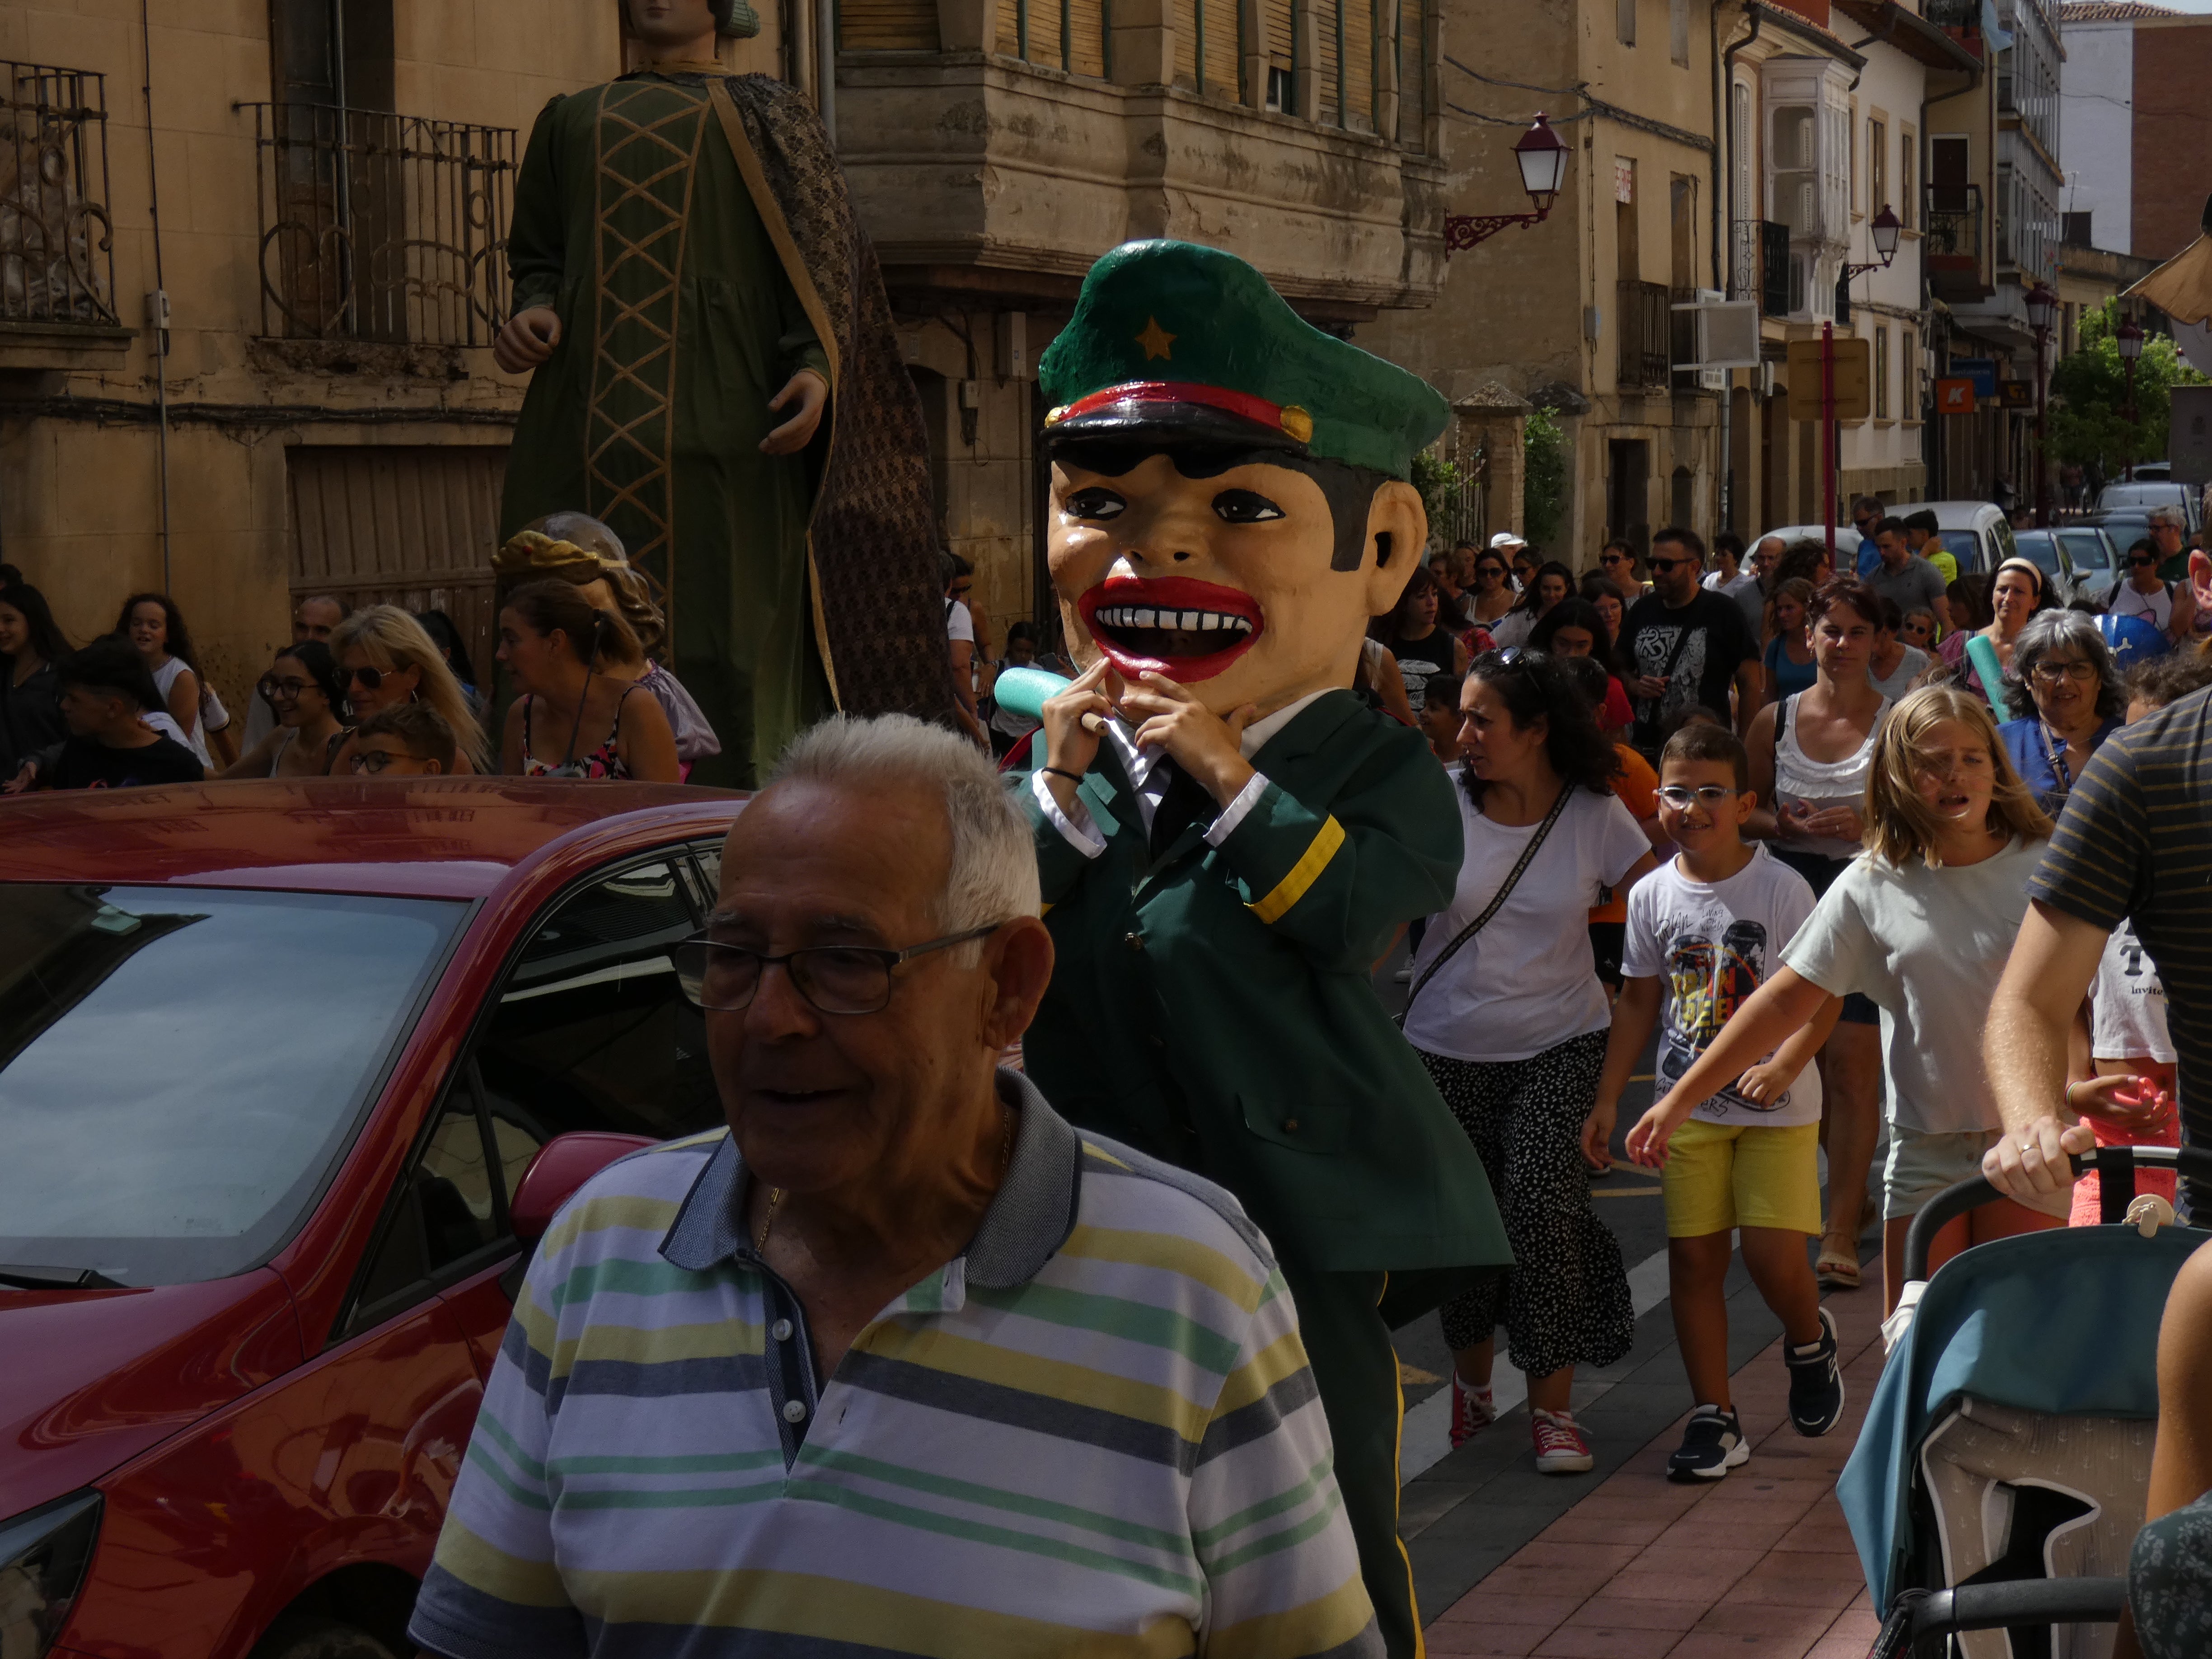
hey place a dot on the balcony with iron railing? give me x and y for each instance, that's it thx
(1646, 335)
(1954, 242)
(1759, 264)
(381, 228)
(57, 241)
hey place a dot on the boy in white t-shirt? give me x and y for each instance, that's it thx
(1705, 929)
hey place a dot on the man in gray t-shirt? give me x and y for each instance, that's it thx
(1905, 576)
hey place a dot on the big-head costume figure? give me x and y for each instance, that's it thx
(1228, 838)
(717, 378)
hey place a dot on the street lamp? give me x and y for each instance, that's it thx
(1884, 228)
(1543, 161)
(2129, 339)
(2042, 306)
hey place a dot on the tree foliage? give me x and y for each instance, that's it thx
(1544, 479)
(1437, 480)
(2088, 424)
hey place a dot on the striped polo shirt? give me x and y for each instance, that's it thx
(2134, 843)
(1095, 1432)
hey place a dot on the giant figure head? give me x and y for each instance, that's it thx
(1229, 494)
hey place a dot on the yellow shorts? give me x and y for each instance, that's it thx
(1720, 1176)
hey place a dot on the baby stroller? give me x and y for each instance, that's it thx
(2001, 1476)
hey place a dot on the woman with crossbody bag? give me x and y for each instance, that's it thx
(1507, 1014)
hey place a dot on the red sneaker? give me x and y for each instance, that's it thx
(1474, 1410)
(1560, 1447)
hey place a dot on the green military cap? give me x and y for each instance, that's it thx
(1174, 336)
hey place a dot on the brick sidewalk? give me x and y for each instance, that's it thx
(1758, 1565)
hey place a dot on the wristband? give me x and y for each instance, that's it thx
(1062, 772)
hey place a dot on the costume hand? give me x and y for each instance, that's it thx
(1195, 738)
(1764, 1084)
(1069, 745)
(528, 339)
(1647, 1141)
(811, 393)
(1647, 686)
(1597, 1136)
(2125, 1102)
(2030, 1166)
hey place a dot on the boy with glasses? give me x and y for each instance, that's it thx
(1704, 930)
(407, 740)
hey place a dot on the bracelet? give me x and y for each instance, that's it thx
(2068, 1096)
(1062, 772)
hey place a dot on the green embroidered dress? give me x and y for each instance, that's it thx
(678, 323)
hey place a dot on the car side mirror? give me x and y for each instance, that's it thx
(562, 1165)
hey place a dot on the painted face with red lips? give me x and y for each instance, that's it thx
(1224, 583)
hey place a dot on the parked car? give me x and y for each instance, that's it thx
(2144, 496)
(2044, 548)
(2100, 562)
(1847, 541)
(1975, 533)
(288, 1072)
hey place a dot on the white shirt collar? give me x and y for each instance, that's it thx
(1139, 763)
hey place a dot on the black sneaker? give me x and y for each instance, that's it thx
(1816, 1382)
(1711, 1445)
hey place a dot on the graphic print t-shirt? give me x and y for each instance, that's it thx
(1711, 945)
(1716, 646)
(2127, 1002)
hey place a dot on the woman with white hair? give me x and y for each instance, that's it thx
(2065, 699)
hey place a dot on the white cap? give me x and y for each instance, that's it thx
(1504, 539)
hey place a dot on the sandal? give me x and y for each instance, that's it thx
(1837, 1269)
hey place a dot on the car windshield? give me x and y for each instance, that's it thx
(180, 1067)
(2087, 549)
(2040, 546)
(2141, 494)
(1961, 545)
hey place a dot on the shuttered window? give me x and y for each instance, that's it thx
(1208, 47)
(1086, 37)
(1278, 44)
(1328, 15)
(1412, 75)
(887, 24)
(1067, 34)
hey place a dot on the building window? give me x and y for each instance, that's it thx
(1877, 197)
(1908, 375)
(1906, 143)
(1624, 20)
(1677, 32)
(1882, 375)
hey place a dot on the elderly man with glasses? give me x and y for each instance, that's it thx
(902, 1363)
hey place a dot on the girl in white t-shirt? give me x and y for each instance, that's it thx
(1512, 1026)
(155, 628)
(1920, 924)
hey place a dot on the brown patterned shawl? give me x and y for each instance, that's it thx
(879, 603)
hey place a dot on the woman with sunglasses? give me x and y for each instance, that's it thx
(301, 690)
(2065, 699)
(1491, 596)
(2170, 607)
(385, 658)
(1616, 563)
(2016, 593)
(155, 628)
(1811, 752)
(551, 641)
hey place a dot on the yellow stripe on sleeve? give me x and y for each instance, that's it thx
(1306, 871)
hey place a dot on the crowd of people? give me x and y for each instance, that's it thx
(376, 691)
(1794, 820)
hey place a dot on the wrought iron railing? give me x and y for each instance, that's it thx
(57, 242)
(1953, 228)
(1645, 323)
(1759, 264)
(381, 228)
(1955, 14)
(1466, 514)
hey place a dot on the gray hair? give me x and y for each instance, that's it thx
(2068, 634)
(2172, 515)
(993, 875)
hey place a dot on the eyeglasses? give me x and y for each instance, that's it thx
(373, 761)
(368, 679)
(2051, 673)
(836, 979)
(2142, 564)
(1663, 566)
(271, 688)
(1707, 795)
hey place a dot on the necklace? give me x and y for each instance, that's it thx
(1006, 1161)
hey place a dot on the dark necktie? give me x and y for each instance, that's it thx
(1184, 803)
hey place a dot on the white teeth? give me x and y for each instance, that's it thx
(1142, 619)
(1208, 621)
(1191, 622)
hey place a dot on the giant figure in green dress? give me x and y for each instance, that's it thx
(1228, 838)
(716, 377)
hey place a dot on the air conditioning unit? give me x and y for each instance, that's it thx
(1723, 335)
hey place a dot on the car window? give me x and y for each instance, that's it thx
(2088, 551)
(2001, 533)
(182, 1067)
(590, 1030)
(1961, 545)
(449, 1208)
(2039, 548)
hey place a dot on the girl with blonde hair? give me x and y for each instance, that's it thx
(1920, 924)
(387, 657)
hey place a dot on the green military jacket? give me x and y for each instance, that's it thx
(1216, 1009)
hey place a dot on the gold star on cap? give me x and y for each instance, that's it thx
(1156, 340)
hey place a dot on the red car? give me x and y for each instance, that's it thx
(274, 1060)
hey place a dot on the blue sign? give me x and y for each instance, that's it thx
(1982, 371)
